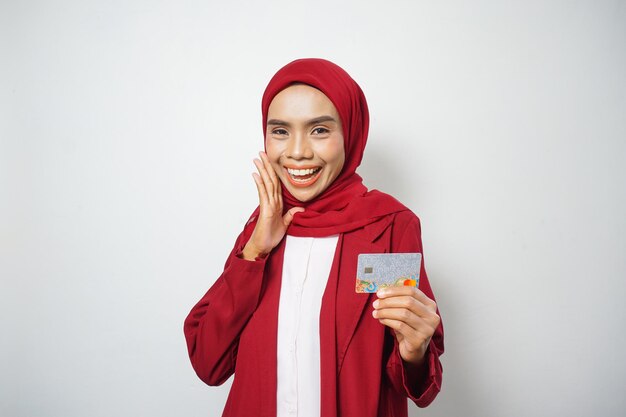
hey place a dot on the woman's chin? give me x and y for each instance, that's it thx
(303, 194)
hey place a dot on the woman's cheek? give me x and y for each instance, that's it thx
(332, 150)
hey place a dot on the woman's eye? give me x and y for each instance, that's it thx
(320, 131)
(279, 132)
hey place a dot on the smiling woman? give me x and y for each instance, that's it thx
(284, 316)
(304, 141)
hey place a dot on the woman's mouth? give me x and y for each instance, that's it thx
(303, 177)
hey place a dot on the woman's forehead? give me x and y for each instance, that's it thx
(301, 100)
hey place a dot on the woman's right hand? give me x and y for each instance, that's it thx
(271, 224)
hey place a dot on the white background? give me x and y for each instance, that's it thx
(127, 130)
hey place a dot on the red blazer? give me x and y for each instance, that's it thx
(233, 328)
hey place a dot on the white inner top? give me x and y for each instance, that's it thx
(306, 267)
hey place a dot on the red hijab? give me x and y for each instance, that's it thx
(347, 204)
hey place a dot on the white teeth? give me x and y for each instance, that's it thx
(302, 172)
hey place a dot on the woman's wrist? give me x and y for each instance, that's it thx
(418, 357)
(251, 253)
(417, 368)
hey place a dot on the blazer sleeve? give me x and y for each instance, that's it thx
(214, 324)
(423, 386)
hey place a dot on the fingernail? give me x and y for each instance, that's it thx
(374, 313)
(375, 304)
(381, 293)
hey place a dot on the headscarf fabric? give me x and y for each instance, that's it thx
(346, 204)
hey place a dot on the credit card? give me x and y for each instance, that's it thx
(380, 270)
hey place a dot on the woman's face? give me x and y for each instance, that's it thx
(304, 141)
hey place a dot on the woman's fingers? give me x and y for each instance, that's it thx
(413, 339)
(272, 224)
(390, 293)
(415, 330)
(411, 314)
(406, 322)
(289, 215)
(272, 174)
(398, 314)
(412, 334)
(404, 301)
(267, 182)
(260, 187)
(280, 199)
(409, 309)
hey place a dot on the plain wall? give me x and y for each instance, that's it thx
(127, 130)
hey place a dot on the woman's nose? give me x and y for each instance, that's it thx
(299, 147)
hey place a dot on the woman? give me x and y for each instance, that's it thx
(284, 316)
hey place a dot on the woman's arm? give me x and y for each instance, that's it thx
(213, 326)
(413, 317)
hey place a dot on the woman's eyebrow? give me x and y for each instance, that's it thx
(321, 119)
(314, 121)
(276, 122)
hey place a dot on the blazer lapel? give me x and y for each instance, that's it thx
(342, 307)
(349, 304)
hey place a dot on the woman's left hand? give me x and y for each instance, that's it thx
(412, 316)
